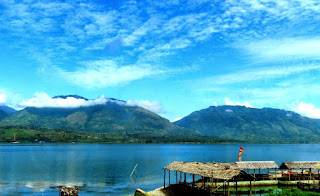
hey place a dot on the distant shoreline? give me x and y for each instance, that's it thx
(31, 135)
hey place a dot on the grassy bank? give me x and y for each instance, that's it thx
(292, 192)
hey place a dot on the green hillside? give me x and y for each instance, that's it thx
(3, 115)
(111, 118)
(252, 124)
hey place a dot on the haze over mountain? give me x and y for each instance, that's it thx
(252, 124)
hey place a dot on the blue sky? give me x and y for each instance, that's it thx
(172, 57)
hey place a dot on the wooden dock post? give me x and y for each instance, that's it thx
(289, 175)
(228, 189)
(236, 187)
(192, 180)
(185, 178)
(203, 183)
(169, 177)
(176, 177)
(164, 179)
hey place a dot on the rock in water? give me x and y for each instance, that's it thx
(69, 191)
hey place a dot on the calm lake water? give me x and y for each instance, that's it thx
(104, 169)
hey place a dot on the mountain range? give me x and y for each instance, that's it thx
(5, 111)
(113, 117)
(252, 124)
(216, 123)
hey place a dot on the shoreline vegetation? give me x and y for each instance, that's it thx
(276, 192)
(32, 135)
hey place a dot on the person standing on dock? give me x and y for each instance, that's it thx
(240, 153)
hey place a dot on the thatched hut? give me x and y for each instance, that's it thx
(298, 165)
(256, 165)
(317, 166)
(298, 170)
(214, 171)
(210, 170)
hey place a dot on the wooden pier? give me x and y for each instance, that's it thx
(221, 178)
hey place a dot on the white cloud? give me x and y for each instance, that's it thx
(3, 99)
(284, 48)
(108, 73)
(179, 43)
(153, 106)
(105, 73)
(307, 109)
(214, 103)
(177, 119)
(227, 101)
(258, 74)
(41, 100)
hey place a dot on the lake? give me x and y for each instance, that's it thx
(104, 169)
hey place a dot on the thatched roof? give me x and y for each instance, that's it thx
(298, 165)
(256, 165)
(211, 170)
(317, 166)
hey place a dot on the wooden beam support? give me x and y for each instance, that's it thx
(192, 180)
(164, 179)
(169, 177)
(176, 177)
(310, 173)
(236, 187)
(203, 183)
